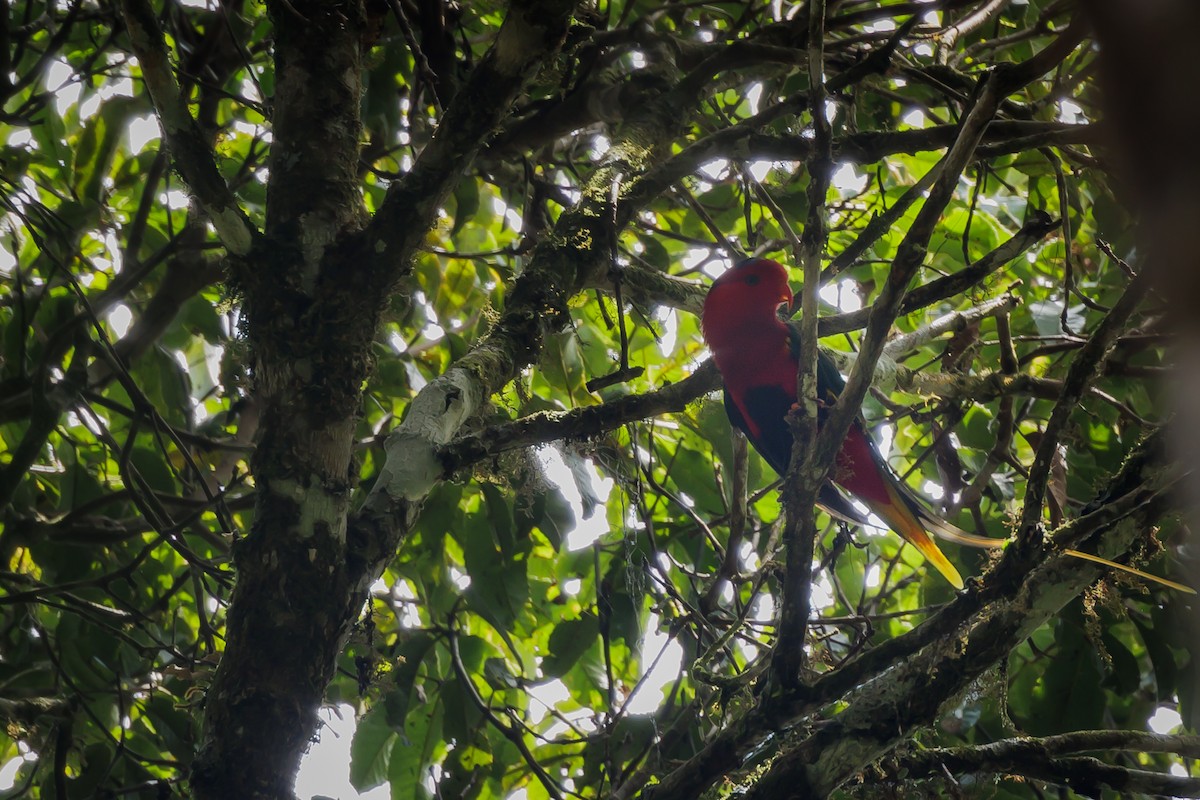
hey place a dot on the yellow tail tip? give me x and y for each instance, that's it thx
(918, 538)
(902, 520)
(943, 565)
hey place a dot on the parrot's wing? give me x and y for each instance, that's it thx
(775, 446)
(770, 435)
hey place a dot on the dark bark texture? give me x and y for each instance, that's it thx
(314, 292)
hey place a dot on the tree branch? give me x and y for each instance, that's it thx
(879, 225)
(909, 257)
(532, 30)
(567, 259)
(192, 154)
(1135, 498)
(1084, 367)
(954, 321)
(882, 712)
(582, 423)
(1001, 137)
(1036, 758)
(1038, 226)
(800, 529)
(653, 288)
(579, 423)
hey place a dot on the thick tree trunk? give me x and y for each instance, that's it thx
(296, 599)
(314, 286)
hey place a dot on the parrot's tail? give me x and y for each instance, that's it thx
(904, 515)
(951, 533)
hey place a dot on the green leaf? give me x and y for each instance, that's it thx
(499, 584)
(461, 716)
(1047, 316)
(97, 144)
(568, 642)
(1124, 676)
(412, 753)
(371, 750)
(466, 202)
(166, 385)
(1162, 658)
(153, 469)
(1069, 696)
(410, 656)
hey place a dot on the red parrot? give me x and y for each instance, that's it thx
(756, 353)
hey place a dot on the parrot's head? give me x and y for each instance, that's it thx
(742, 310)
(752, 291)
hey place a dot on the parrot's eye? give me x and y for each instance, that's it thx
(752, 280)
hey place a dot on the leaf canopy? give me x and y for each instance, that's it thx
(509, 645)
